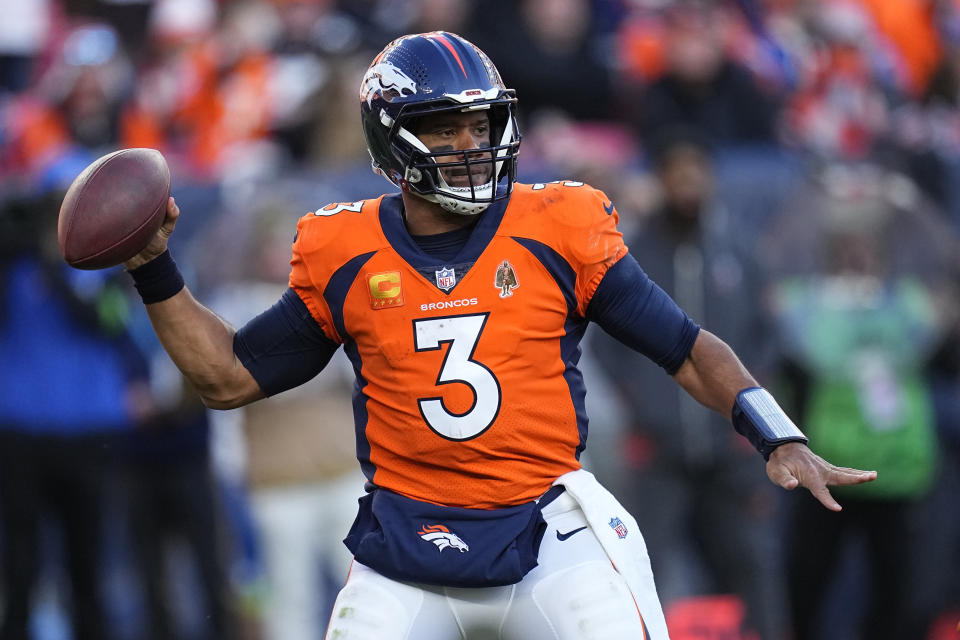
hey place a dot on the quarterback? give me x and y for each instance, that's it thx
(461, 301)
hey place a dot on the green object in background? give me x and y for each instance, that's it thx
(903, 454)
(113, 309)
(864, 344)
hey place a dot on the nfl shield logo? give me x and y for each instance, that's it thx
(446, 278)
(617, 525)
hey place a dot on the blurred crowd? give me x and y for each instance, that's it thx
(788, 170)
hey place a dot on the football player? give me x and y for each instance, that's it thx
(461, 301)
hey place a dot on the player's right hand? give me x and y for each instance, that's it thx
(157, 244)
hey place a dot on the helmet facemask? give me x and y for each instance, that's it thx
(428, 177)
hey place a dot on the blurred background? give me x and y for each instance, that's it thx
(788, 170)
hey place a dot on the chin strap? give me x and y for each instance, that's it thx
(452, 205)
(758, 417)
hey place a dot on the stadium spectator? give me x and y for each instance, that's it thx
(73, 109)
(926, 131)
(300, 474)
(937, 597)
(172, 503)
(249, 92)
(709, 522)
(911, 30)
(122, 420)
(840, 109)
(24, 34)
(74, 384)
(202, 99)
(548, 52)
(447, 15)
(701, 87)
(855, 334)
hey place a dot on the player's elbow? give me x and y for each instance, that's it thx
(229, 394)
(221, 402)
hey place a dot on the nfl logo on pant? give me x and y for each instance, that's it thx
(617, 525)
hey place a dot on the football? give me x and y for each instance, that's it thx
(113, 208)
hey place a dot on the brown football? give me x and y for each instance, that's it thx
(113, 208)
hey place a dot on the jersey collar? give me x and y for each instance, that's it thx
(391, 221)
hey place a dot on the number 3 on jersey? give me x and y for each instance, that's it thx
(462, 334)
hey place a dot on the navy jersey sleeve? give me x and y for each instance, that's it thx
(636, 311)
(283, 347)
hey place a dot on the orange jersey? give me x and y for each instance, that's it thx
(467, 391)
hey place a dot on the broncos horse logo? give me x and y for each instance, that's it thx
(387, 81)
(442, 537)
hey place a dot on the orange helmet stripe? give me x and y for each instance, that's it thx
(450, 48)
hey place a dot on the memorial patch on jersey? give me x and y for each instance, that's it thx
(442, 537)
(446, 279)
(506, 279)
(385, 289)
(617, 525)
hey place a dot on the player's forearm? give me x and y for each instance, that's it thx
(200, 343)
(713, 374)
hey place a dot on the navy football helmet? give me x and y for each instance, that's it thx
(429, 73)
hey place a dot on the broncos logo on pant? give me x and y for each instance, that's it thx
(442, 537)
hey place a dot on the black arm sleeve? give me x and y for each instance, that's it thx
(633, 309)
(283, 347)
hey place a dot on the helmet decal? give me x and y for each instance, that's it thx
(386, 81)
(438, 36)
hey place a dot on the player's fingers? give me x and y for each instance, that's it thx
(821, 493)
(782, 476)
(833, 475)
(847, 476)
(170, 221)
(173, 211)
(808, 474)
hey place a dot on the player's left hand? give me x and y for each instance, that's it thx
(793, 465)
